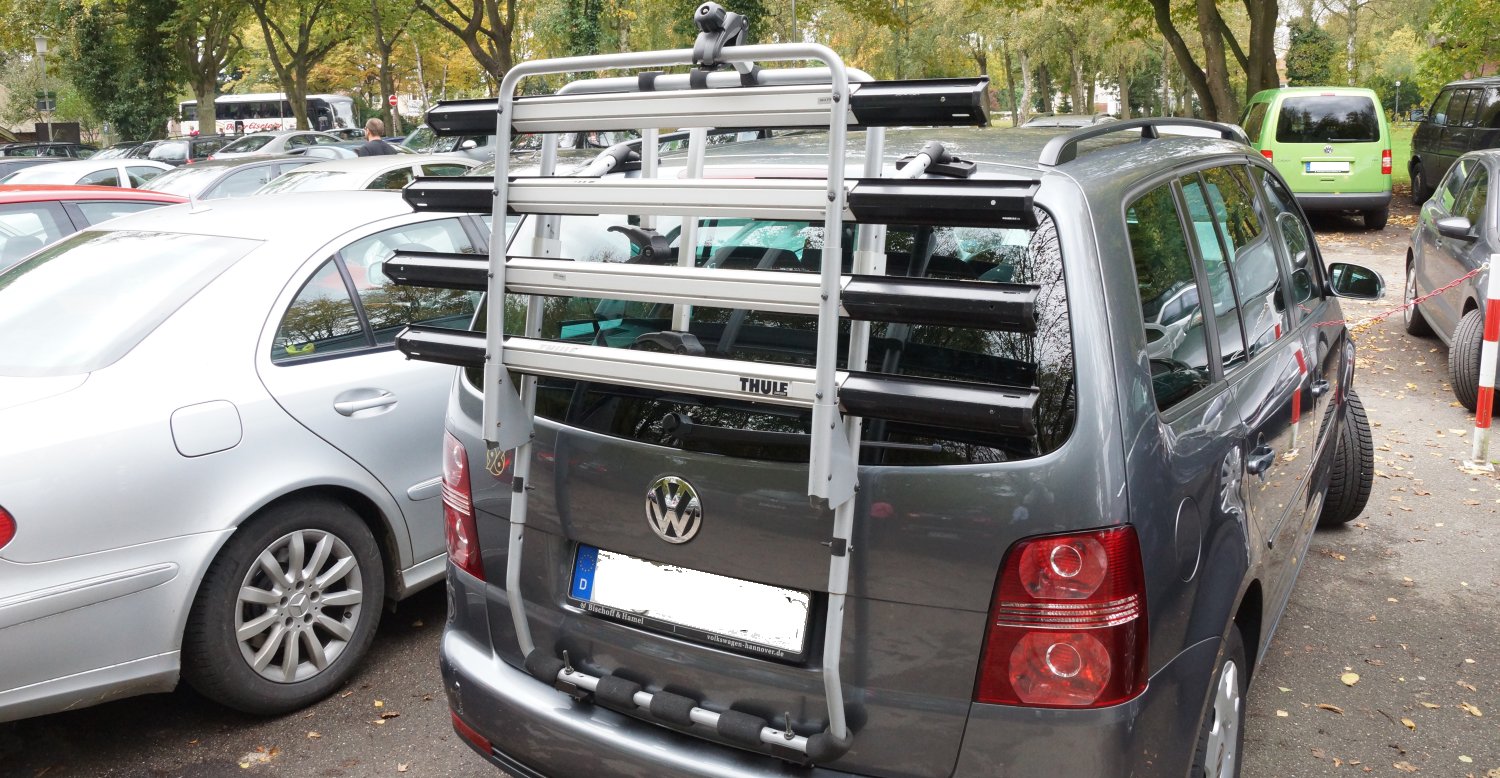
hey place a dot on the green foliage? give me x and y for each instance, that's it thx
(1310, 55)
(1467, 37)
(121, 62)
(1409, 93)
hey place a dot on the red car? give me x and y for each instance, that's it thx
(34, 216)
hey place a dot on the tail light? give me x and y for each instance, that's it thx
(1067, 626)
(1268, 154)
(1385, 162)
(468, 733)
(7, 527)
(458, 509)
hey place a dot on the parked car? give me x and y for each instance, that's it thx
(1465, 116)
(214, 179)
(1068, 120)
(117, 150)
(267, 143)
(186, 151)
(424, 140)
(1455, 235)
(127, 173)
(240, 377)
(391, 171)
(47, 149)
(1332, 145)
(35, 216)
(1013, 584)
(347, 133)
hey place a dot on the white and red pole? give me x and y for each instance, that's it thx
(1489, 351)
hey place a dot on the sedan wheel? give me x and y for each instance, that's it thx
(1411, 316)
(287, 609)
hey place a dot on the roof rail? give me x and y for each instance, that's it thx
(1064, 148)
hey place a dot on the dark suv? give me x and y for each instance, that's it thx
(918, 497)
(1465, 117)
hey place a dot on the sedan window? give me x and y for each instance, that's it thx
(62, 313)
(105, 177)
(322, 320)
(444, 169)
(240, 183)
(390, 307)
(1454, 183)
(26, 227)
(392, 179)
(141, 174)
(1476, 193)
(104, 210)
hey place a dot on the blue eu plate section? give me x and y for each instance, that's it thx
(583, 573)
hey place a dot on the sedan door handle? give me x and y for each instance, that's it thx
(351, 407)
(1260, 460)
(1320, 387)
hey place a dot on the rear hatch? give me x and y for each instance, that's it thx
(1331, 143)
(725, 604)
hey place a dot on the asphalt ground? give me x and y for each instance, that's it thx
(1404, 597)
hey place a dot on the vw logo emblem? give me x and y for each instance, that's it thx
(673, 510)
(1327, 149)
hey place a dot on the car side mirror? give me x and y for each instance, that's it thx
(1356, 282)
(468, 144)
(1456, 227)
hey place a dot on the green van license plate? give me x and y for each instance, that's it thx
(1326, 167)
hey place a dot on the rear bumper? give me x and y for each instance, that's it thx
(1344, 202)
(536, 731)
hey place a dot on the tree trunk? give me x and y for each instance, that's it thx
(206, 91)
(1075, 78)
(416, 51)
(1023, 109)
(1222, 107)
(1124, 93)
(1010, 84)
(1044, 83)
(1349, 44)
(1164, 105)
(1161, 11)
(298, 98)
(1261, 72)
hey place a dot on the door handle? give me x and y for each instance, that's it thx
(351, 407)
(1260, 460)
(1320, 387)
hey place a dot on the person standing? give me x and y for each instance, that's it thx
(374, 144)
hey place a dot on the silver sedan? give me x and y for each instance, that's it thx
(214, 465)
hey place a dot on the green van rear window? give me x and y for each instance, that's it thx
(1327, 119)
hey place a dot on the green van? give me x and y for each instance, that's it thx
(1331, 143)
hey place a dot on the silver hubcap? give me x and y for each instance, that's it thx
(1223, 740)
(1411, 294)
(298, 606)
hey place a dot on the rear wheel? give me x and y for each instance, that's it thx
(1411, 316)
(287, 610)
(1419, 191)
(1376, 219)
(1353, 467)
(1463, 359)
(1222, 739)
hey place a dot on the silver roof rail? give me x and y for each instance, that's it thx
(1064, 148)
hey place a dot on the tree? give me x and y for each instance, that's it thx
(487, 29)
(1211, 80)
(299, 34)
(388, 29)
(206, 39)
(120, 58)
(1309, 57)
(1465, 39)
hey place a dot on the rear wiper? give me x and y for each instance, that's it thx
(681, 427)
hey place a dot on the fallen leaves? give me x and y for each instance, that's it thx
(261, 755)
(1281, 714)
(1349, 679)
(401, 767)
(314, 735)
(1409, 724)
(1405, 767)
(1471, 710)
(1467, 685)
(1329, 708)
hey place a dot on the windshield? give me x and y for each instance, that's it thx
(186, 181)
(420, 139)
(1328, 119)
(47, 174)
(248, 143)
(305, 181)
(62, 313)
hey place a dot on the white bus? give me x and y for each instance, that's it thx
(265, 111)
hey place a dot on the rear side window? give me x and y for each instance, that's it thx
(1255, 120)
(240, 183)
(1448, 191)
(1175, 339)
(1327, 119)
(26, 227)
(393, 179)
(106, 177)
(1489, 116)
(1043, 360)
(1439, 113)
(103, 210)
(1471, 203)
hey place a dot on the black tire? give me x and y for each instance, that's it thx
(1411, 316)
(1210, 762)
(1419, 191)
(218, 664)
(1353, 467)
(1463, 359)
(1376, 219)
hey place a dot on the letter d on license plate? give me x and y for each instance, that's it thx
(724, 612)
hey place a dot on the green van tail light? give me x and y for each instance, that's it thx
(1067, 625)
(1268, 154)
(1385, 162)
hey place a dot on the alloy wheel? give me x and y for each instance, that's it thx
(298, 606)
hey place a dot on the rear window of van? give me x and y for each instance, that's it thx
(1327, 119)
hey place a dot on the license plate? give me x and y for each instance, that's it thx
(1327, 167)
(726, 612)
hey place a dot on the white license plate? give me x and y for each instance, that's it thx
(1327, 167)
(725, 612)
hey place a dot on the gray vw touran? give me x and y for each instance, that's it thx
(1074, 519)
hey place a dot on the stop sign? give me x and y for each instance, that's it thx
(392, 101)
